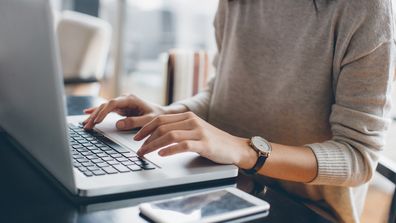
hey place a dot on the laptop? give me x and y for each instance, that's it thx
(32, 112)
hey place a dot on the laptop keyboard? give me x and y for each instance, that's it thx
(95, 155)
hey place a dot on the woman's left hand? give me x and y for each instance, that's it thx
(185, 132)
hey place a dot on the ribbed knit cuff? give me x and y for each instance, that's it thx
(333, 167)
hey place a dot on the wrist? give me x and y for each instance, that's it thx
(247, 155)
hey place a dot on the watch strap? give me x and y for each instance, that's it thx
(259, 163)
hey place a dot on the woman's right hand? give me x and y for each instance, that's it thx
(137, 112)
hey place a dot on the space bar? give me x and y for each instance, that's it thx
(114, 145)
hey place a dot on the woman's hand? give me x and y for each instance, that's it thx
(137, 111)
(187, 132)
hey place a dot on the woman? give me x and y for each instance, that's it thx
(311, 78)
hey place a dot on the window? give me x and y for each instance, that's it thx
(151, 28)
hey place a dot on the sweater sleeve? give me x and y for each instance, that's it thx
(359, 120)
(362, 79)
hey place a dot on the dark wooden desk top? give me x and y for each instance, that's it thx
(27, 196)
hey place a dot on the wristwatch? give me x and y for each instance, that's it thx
(263, 149)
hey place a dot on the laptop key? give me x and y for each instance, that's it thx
(134, 167)
(83, 149)
(126, 163)
(102, 155)
(119, 148)
(115, 146)
(98, 172)
(122, 159)
(107, 158)
(134, 158)
(96, 150)
(112, 162)
(105, 148)
(122, 168)
(117, 155)
(102, 164)
(100, 144)
(92, 168)
(111, 152)
(82, 160)
(88, 173)
(110, 170)
(91, 157)
(129, 155)
(97, 161)
(87, 164)
(77, 156)
(82, 169)
(86, 153)
(148, 167)
(141, 162)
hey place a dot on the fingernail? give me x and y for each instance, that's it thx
(121, 124)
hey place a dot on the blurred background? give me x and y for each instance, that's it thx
(142, 35)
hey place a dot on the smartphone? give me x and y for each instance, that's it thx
(212, 206)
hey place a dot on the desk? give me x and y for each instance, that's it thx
(27, 196)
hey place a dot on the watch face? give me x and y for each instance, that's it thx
(261, 144)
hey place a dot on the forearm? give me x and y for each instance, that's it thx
(175, 109)
(285, 162)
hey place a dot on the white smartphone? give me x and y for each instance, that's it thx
(211, 206)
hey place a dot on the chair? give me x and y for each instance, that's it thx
(84, 48)
(382, 194)
(387, 168)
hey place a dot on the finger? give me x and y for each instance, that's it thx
(90, 121)
(89, 117)
(109, 107)
(133, 122)
(86, 120)
(120, 111)
(160, 120)
(89, 110)
(117, 105)
(184, 146)
(164, 129)
(165, 140)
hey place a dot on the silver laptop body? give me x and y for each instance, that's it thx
(32, 111)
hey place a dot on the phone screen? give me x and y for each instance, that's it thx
(204, 205)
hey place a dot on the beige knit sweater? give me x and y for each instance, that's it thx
(299, 77)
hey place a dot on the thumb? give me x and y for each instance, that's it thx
(133, 122)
